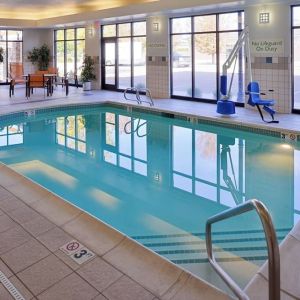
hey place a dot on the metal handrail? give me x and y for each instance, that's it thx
(148, 94)
(272, 244)
(132, 89)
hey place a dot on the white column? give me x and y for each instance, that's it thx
(93, 49)
(271, 65)
(158, 56)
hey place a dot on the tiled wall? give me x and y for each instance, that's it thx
(158, 76)
(273, 73)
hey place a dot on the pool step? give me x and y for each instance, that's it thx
(190, 248)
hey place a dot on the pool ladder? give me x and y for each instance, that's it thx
(272, 244)
(137, 92)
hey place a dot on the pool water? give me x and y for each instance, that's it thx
(158, 179)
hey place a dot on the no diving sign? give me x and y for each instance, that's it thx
(77, 251)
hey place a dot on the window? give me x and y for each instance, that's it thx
(11, 42)
(11, 135)
(208, 165)
(296, 57)
(71, 133)
(199, 47)
(126, 142)
(124, 54)
(69, 51)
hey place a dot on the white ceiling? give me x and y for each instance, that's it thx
(49, 13)
(36, 10)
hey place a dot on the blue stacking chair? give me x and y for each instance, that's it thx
(255, 100)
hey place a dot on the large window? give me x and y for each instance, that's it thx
(296, 56)
(124, 55)
(199, 47)
(11, 43)
(69, 51)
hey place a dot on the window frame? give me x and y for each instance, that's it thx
(115, 39)
(193, 33)
(65, 40)
(293, 27)
(6, 41)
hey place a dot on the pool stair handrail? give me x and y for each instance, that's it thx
(148, 95)
(272, 245)
(132, 90)
(137, 92)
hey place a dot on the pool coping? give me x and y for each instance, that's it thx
(156, 274)
(223, 121)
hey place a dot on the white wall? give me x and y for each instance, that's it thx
(36, 38)
(277, 75)
(278, 28)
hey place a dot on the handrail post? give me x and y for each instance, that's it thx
(272, 244)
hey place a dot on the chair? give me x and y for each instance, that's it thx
(53, 70)
(73, 77)
(16, 72)
(36, 81)
(64, 82)
(255, 100)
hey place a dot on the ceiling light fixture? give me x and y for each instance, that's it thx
(264, 18)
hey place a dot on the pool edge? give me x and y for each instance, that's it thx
(155, 273)
(261, 128)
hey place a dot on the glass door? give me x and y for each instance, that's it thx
(109, 64)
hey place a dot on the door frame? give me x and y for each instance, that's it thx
(106, 86)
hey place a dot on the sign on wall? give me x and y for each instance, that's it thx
(157, 45)
(267, 46)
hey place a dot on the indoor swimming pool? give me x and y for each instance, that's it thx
(159, 178)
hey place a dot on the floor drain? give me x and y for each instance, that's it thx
(10, 287)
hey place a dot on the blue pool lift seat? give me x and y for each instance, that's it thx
(255, 100)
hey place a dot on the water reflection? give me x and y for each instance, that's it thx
(126, 142)
(11, 135)
(71, 132)
(195, 169)
(208, 165)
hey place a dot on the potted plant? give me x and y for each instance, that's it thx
(1, 55)
(40, 57)
(87, 73)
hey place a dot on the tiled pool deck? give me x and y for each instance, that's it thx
(34, 224)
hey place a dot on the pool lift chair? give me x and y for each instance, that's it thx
(226, 106)
(255, 100)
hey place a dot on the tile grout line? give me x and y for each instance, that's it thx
(53, 252)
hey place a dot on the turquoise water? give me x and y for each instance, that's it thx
(158, 179)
